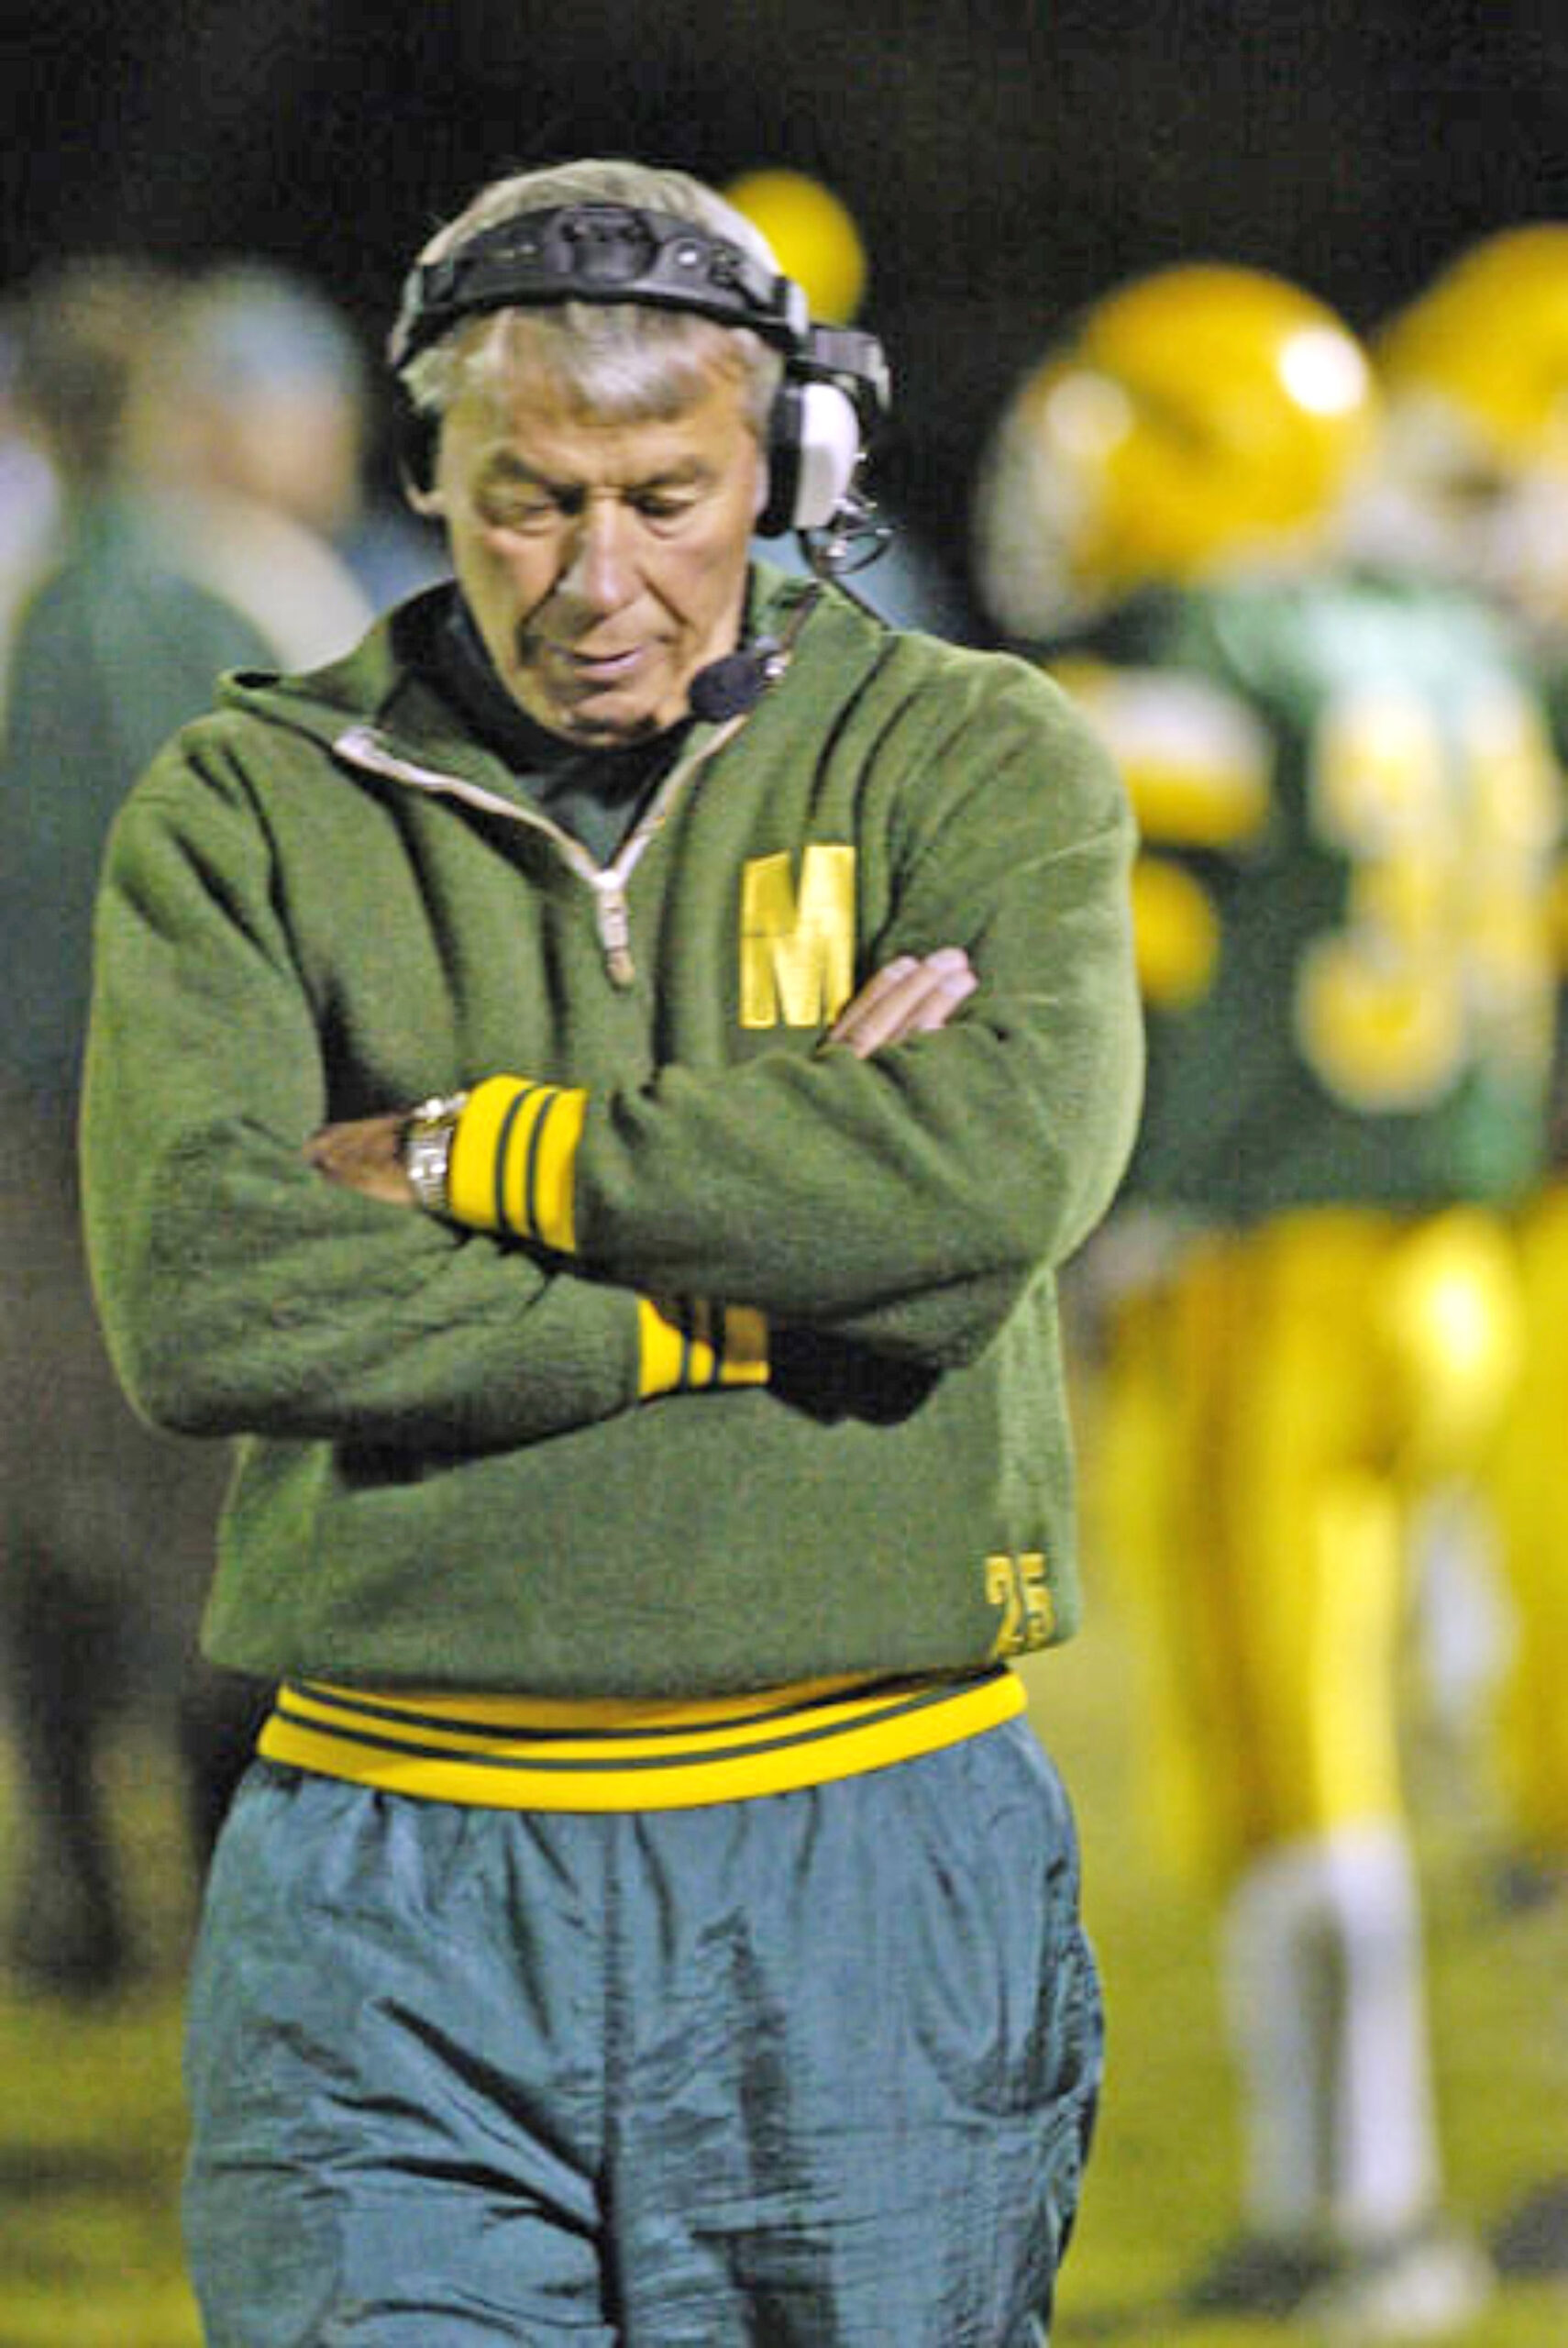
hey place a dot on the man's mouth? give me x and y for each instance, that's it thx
(593, 668)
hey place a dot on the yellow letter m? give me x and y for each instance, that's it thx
(798, 951)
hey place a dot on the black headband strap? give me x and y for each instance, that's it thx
(598, 252)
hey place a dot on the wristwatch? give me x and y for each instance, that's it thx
(426, 1147)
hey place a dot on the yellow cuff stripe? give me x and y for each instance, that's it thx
(743, 1345)
(515, 1160)
(518, 1752)
(688, 1346)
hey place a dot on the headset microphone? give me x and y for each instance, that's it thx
(728, 688)
(734, 684)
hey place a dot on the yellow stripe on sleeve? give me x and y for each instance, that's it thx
(663, 1347)
(744, 1361)
(552, 1172)
(699, 1345)
(470, 1171)
(513, 1160)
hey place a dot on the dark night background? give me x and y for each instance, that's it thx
(1004, 159)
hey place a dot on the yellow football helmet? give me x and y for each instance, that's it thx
(1488, 342)
(813, 237)
(1202, 416)
(1474, 373)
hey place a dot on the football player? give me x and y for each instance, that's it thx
(1348, 807)
(1475, 371)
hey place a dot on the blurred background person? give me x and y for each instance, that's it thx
(29, 494)
(116, 641)
(1348, 809)
(203, 438)
(1475, 370)
(1473, 483)
(269, 450)
(820, 246)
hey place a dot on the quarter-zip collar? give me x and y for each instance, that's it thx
(363, 745)
(381, 712)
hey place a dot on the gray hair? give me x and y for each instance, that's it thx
(622, 359)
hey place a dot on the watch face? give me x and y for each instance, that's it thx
(427, 1149)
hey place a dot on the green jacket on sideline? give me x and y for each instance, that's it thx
(327, 899)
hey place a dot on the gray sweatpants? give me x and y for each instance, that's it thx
(814, 2070)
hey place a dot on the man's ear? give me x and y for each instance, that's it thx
(419, 460)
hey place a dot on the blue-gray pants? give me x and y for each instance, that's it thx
(814, 2070)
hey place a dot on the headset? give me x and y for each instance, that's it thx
(835, 387)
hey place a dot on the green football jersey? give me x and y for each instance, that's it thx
(1350, 813)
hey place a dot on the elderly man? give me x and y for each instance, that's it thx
(594, 1089)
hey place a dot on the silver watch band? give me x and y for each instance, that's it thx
(426, 1147)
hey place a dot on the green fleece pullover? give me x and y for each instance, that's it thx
(458, 1467)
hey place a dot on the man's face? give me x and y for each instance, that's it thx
(603, 564)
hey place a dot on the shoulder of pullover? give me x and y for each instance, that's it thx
(902, 688)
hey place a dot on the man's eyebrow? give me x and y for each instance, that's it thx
(505, 465)
(694, 466)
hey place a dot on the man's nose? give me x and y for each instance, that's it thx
(598, 563)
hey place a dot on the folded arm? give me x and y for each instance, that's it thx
(903, 1184)
(238, 1291)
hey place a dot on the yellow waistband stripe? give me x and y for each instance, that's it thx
(523, 1753)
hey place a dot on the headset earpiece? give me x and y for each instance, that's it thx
(813, 450)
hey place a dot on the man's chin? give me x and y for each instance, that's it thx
(606, 721)
(605, 729)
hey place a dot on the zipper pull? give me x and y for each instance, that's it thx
(615, 928)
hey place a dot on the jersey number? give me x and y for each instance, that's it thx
(1444, 957)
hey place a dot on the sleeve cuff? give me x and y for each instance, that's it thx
(513, 1161)
(688, 1347)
